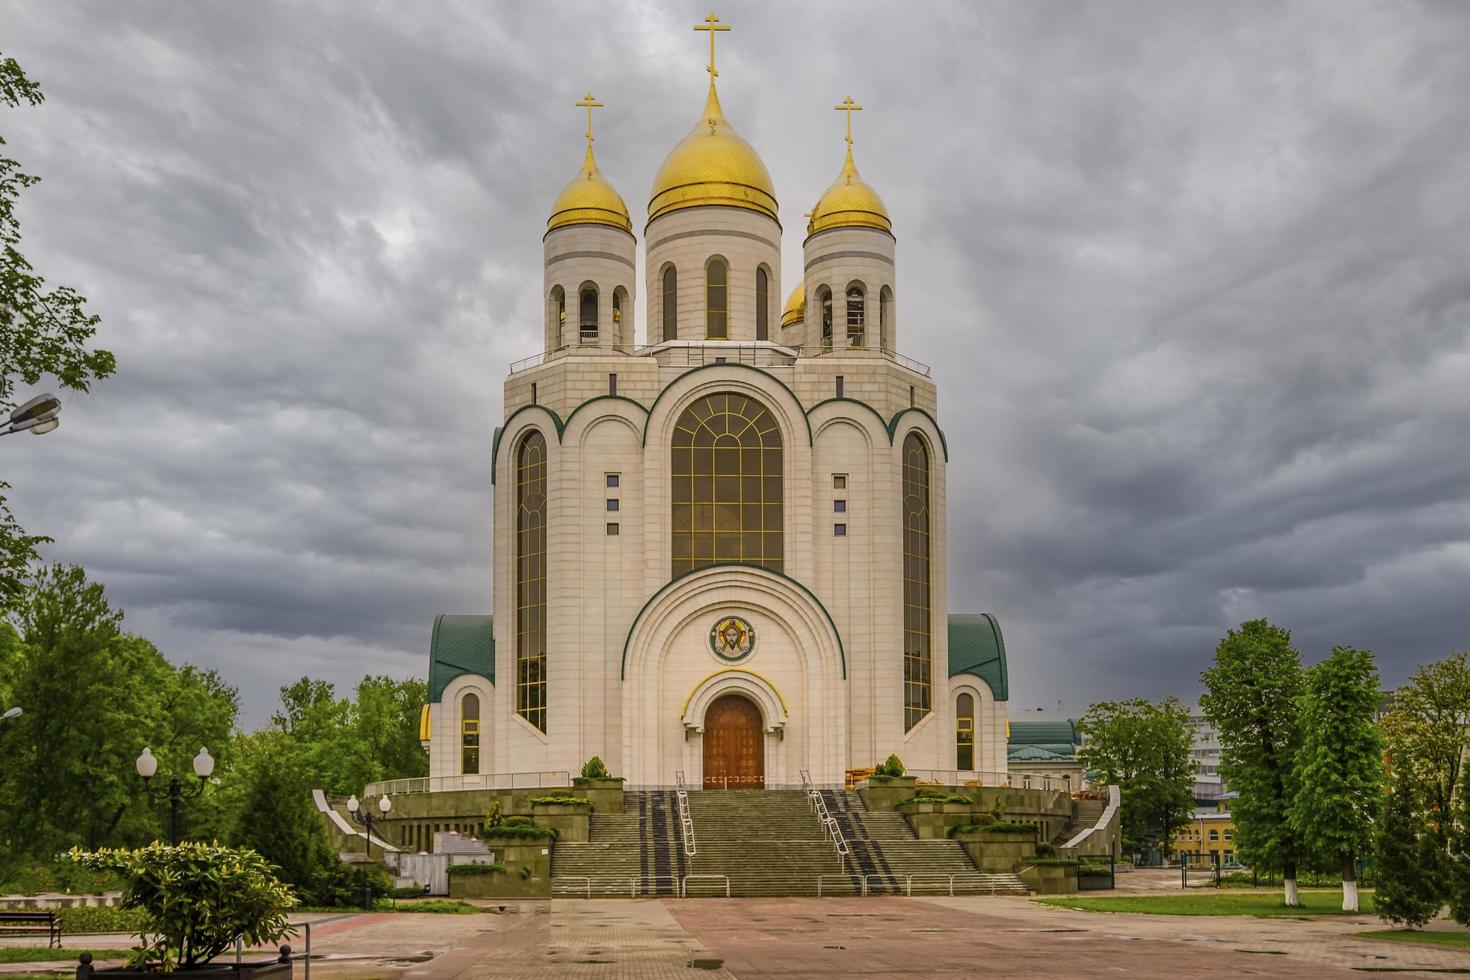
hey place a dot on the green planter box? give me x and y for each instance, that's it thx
(998, 852)
(1051, 879)
(606, 794)
(571, 822)
(886, 794)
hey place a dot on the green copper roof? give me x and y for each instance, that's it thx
(1040, 753)
(976, 647)
(1044, 733)
(460, 645)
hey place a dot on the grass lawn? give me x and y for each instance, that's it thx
(1459, 940)
(36, 954)
(1214, 903)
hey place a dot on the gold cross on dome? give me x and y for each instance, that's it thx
(712, 24)
(589, 103)
(848, 106)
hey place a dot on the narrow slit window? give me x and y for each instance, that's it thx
(716, 293)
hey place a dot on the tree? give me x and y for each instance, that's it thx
(1252, 700)
(43, 331)
(1143, 749)
(1408, 861)
(1340, 765)
(1428, 733)
(1457, 872)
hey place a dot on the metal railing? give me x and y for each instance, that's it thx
(555, 779)
(697, 353)
(1005, 780)
(830, 828)
(635, 883)
(686, 822)
(843, 877)
(684, 883)
(975, 880)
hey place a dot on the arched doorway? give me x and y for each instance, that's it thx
(734, 745)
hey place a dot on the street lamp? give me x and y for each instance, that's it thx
(365, 817)
(39, 415)
(174, 792)
(14, 712)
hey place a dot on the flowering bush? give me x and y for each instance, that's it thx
(195, 900)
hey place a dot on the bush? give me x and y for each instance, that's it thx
(1056, 862)
(521, 831)
(518, 821)
(406, 891)
(476, 869)
(932, 797)
(891, 767)
(561, 801)
(594, 768)
(64, 876)
(1045, 850)
(427, 905)
(81, 921)
(195, 900)
(993, 826)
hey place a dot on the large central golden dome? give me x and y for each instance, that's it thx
(713, 165)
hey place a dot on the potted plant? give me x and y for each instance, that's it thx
(194, 901)
(601, 787)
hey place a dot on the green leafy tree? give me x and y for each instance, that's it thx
(1407, 861)
(1457, 884)
(44, 330)
(1340, 765)
(1252, 697)
(1143, 747)
(1428, 734)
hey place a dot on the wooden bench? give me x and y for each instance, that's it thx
(31, 923)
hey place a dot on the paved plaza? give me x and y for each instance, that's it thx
(875, 938)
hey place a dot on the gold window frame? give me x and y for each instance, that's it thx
(918, 681)
(530, 678)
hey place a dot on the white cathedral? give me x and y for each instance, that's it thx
(721, 552)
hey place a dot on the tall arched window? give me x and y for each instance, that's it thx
(716, 300)
(556, 316)
(824, 303)
(762, 304)
(964, 732)
(589, 313)
(671, 303)
(885, 318)
(726, 471)
(531, 580)
(917, 666)
(856, 314)
(469, 735)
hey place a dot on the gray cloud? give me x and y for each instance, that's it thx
(1193, 279)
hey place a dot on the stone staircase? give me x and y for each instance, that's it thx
(637, 852)
(1085, 813)
(768, 843)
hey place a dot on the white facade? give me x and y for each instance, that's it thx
(632, 671)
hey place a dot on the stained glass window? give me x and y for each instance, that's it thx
(715, 301)
(531, 580)
(964, 732)
(917, 663)
(469, 726)
(727, 485)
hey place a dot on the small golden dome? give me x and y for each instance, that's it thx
(849, 202)
(713, 165)
(795, 310)
(589, 200)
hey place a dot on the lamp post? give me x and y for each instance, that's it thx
(12, 713)
(39, 415)
(174, 791)
(364, 816)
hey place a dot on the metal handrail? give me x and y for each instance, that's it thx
(691, 353)
(878, 874)
(635, 880)
(580, 878)
(686, 821)
(551, 779)
(843, 875)
(684, 883)
(830, 828)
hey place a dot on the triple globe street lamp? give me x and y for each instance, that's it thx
(174, 790)
(365, 816)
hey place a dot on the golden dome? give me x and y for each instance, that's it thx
(589, 200)
(713, 165)
(795, 310)
(849, 202)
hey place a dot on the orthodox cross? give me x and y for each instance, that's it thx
(589, 103)
(712, 24)
(848, 106)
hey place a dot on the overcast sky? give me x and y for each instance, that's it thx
(1195, 279)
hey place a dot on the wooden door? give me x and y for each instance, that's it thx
(734, 745)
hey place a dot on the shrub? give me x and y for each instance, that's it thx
(891, 767)
(561, 801)
(82, 921)
(519, 820)
(521, 831)
(493, 819)
(993, 826)
(1056, 862)
(195, 900)
(932, 797)
(406, 891)
(1045, 850)
(594, 768)
(525, 871)
(428, 905)
(476, 869)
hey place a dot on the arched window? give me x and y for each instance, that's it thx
(671, 304)
(917, 666)
(824, 302)
(531, 580)
(716, 299)
(619, 295)
(964, 732)
(556, 315)
(762, 304)
(885, 318)
(855, 315)
(726, 471)
(589, 313)
(1214, 836)
(469, 737)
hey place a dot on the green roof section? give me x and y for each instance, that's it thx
(460, 645)
(1040, 753)
(977, 647)
(1045, 733)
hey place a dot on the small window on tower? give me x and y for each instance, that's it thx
(839, 530)
(612, 530)
(612, 503)
(840, 388)
(839, 481)
(839, 506)
(612, 479)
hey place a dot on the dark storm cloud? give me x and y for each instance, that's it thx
(1193, 279)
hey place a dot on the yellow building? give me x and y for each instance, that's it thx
(1209, 836)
